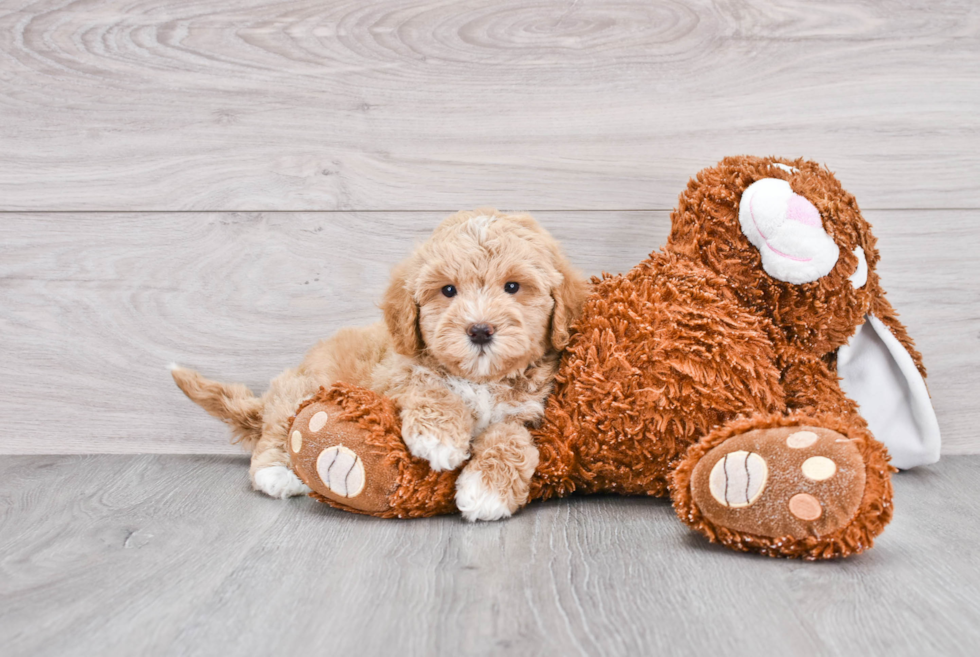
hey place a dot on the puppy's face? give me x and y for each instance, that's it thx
(485, 299)
(484, 293)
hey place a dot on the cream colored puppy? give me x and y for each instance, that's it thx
(474, 321)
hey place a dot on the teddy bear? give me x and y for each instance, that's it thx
(752, 370)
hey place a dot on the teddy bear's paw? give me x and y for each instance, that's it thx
(797, 482)
(332, 456)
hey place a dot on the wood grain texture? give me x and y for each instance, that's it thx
(350, 105)
(126, 555)
(96, 305)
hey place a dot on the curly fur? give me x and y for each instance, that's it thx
(450, 390)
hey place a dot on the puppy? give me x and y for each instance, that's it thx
(473, 323)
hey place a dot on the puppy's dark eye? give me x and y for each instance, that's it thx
(511, 287)
(449, 290)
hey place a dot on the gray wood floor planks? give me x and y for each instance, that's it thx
(96, 306)
(122, 555)
(429, 104)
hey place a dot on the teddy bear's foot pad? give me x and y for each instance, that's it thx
(786, 481)
(342, 470)
(333, 457)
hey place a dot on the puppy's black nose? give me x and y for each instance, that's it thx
(480, 333)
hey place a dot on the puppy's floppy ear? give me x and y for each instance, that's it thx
(569, 296)
(402, 312)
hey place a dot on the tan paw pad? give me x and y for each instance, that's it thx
(818, 468)
(296, 442)
(805, 507)
(738, 479)
(318, 421)
(801, 439)
(341, 470)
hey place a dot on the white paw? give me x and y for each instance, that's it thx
(477, 502)
(439, 455)
(278, 481)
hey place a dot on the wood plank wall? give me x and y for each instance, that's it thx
(222, 183)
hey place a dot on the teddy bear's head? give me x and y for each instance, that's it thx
(789, 238)
(794, 247)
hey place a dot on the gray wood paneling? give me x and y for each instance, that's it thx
(173, 555)
(96, 305)
(351, 105)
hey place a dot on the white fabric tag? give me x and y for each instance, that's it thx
(878, 373)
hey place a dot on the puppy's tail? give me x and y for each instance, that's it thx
(234, 404)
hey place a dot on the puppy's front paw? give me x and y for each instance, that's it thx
(440, 455)
(279, 482)
(477, 501)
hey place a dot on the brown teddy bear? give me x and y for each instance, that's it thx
(712, 371)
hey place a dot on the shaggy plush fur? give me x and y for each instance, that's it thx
(474, 320)
(694, 346)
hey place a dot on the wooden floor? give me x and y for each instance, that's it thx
(173, 555)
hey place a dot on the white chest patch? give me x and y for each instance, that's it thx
(486, 409)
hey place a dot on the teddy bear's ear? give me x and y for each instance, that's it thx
(401, 312)
(881, 370)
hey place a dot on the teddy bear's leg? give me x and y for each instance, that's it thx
(809, 486)
(345, 444)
